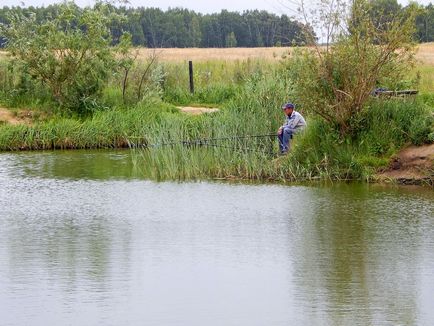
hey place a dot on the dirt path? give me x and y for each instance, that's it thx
(196, 110)
(9, 117)
(412, 165)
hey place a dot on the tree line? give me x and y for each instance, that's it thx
(178, 27)
(182, 28)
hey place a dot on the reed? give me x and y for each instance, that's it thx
(106, 129)
(320, 153)
(426, 78)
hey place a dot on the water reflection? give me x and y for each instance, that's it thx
(78, 164)
(77, 247)
(360, 246)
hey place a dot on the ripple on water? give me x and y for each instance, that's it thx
(79, 246)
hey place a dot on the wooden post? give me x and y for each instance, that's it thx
(190, 69)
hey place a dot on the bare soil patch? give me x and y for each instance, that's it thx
(196, 110)
(15, 118)
(413, 165)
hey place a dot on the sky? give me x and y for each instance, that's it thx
(204, 6)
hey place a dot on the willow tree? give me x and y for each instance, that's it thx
(335, 76)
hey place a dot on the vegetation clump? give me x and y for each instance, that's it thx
(336, 81)
(346, 136)
(68, 56)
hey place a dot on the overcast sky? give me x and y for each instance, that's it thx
(203, 6)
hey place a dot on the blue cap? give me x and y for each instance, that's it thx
(288, 106)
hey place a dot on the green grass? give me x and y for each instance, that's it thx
(106, 129)
(426, 73)
(215, 82)
(320, 153)
(250, 95)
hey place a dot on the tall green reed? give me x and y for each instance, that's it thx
(254, 110)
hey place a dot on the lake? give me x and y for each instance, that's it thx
(84, 240)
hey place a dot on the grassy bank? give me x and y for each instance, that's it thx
(249, 94)
(320, 153)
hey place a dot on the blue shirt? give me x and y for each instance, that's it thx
(295, 122)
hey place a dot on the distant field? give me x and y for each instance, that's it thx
(425, 53)
(209, 54)
(424, 56)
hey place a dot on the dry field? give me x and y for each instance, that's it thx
(210, 54)
(425, 53)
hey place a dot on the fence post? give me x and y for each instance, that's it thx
(190, 69)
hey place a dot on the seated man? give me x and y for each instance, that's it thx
(294, 123)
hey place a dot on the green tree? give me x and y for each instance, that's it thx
(70, 54)
(179, 27)
(425, 24)
(383, 12)
(231, 41)
(336, 81)
(211, 31)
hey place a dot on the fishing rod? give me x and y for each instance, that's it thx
(206, 141)
(248, 149)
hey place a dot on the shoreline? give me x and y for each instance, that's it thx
(417, 175)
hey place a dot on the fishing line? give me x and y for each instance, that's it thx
(202, 142)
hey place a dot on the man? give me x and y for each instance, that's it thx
(294, 123)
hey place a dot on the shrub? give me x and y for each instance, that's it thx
(336, 81)
(70, 54)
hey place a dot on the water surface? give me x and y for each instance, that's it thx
(85, 241)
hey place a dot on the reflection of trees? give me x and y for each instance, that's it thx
(75, 250)
(94, 165)
(358, 258)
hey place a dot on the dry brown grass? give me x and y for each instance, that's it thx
(210, 54)
(22, 116)
(425, 53)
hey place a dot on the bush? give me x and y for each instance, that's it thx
(70, 55)
(384, 127)
(335, 81)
